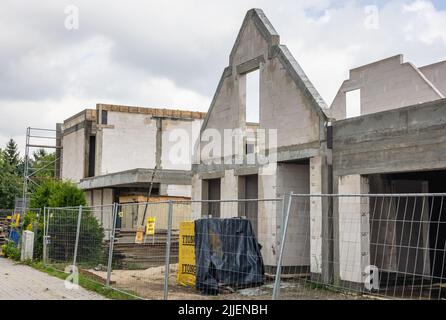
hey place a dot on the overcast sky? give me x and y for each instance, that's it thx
(171, 53)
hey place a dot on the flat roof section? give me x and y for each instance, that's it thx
(136, 178)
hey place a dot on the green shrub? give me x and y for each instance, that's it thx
(58, 194)
(30, 218)
(10, 250)
(62, 224)
(62, 228)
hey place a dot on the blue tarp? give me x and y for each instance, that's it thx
(14, 236)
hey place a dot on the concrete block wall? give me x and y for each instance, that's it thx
(284, 105)
(270, 214)
(354, 229)
(386, 84)
(436, 74)
(129, 142)
(73, 155)
(197, 194)
(178, 138)
(102, 200)
(316, 215)
(289, 105)
(296, 178)
(176, 190)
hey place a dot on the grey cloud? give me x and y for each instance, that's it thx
(128, 51)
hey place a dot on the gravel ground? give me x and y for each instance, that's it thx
(149, 283)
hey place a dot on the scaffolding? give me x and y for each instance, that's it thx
(39, 139)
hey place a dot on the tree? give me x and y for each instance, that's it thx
(12, 155)
(57, 194)
(44, 164)
(10, 183)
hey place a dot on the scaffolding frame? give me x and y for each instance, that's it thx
(39, 139)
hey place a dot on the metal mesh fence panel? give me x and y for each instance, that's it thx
(299, 247)
(79, 236)
(235, 251)
(360, 246)
(138, 257)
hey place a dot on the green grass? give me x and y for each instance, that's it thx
(85, 282)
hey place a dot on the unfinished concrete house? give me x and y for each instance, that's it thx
(286, 107)
(120, 153)
(389, 138)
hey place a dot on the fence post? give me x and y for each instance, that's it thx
(168, 242)
(44, 237)
(79, 217)
(111, 243)
(276, 289)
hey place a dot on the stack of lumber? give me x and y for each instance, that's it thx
(3, 229)
(151, 252)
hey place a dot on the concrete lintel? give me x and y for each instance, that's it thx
(245, 171)
(136, 176)
(250, 65)
(288, 153)
(75, 128)
(211, 175)
(298, 152)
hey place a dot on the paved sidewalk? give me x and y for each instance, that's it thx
(19, 282)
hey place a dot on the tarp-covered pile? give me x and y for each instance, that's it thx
(227, 255)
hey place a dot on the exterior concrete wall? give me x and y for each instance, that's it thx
(385, 85)
(75, 132)
(291, 107)
(296, 178)
(176, 190)
(284, 106)
(197, 194)
(73, 155)
(270, 217)
(89, 196)
(407, 139)
(128, 142)
(178, 138)
(108, 197)
(354, 229)
(102, 208)
(97, 197)
(251, 45)
(229, 191)
(436, 74)
(316, 215)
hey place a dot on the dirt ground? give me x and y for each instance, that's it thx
(149, 284)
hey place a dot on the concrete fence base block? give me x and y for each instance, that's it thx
(27, 245)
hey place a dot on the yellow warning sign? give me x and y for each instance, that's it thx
(15, 219)
(139, 236)
(150, 226)
(186, 262)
